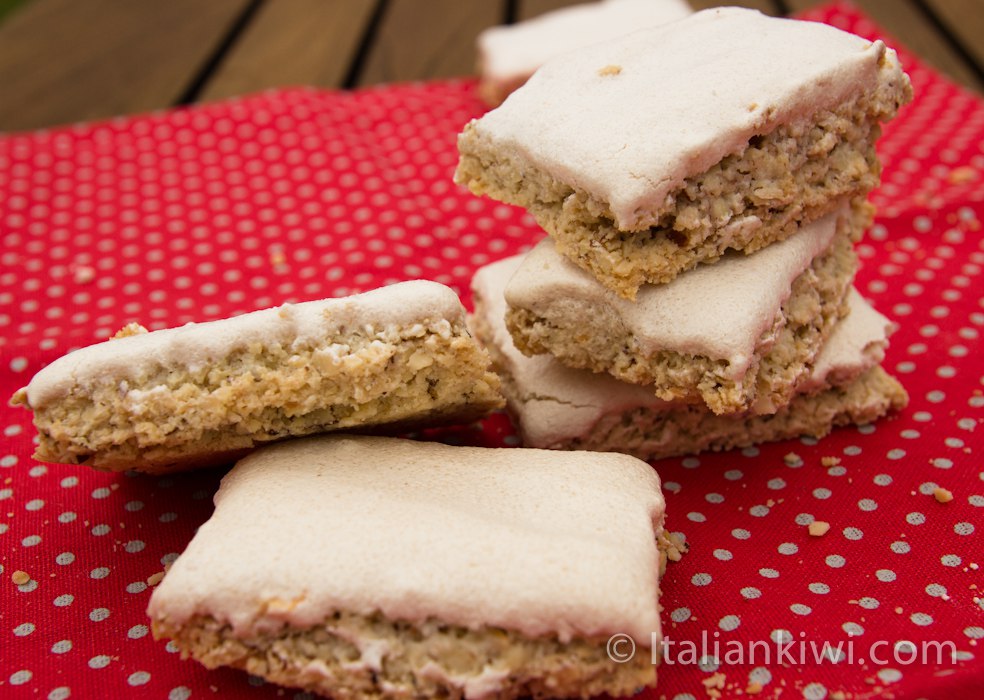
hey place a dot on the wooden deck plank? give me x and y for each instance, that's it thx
(420, 39)
(906, 22)
(964, 19)
(769, 7)
(294, 42)
(64, 61)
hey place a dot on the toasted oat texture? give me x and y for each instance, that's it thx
(410, 570)
(206, 393)
(726, 130)
(557, 407)
(691, 429)
(738, 336)
(425, 660)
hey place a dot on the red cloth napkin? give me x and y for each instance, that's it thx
(299, 194)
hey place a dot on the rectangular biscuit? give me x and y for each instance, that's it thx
(739, 335)
(557, 407)
(205, 393)
(410, 569)
(509, 54)
(651, 153)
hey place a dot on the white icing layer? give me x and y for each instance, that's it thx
(720, 311)
(685, 95)
(511, 53)
(197, 344)
(554, 403)
(539, 542)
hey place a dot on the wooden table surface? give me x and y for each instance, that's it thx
(70, 60)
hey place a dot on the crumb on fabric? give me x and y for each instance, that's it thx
(84, 274)
(830, 461)
(154, 579)
(753, 688)
(713, 685)
(962, 175)
(20, 577)
(942, 495)
(819, 528)
(791, 458)
(610, 70)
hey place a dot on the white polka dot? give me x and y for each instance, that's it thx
(98, 614)
(822, 493)
(867, 504)
(889, 675)
(740, 534)
(137, 632)
(100, 572)
(801, 609)
(915, 518)
(100, 661)
(134, 546)
(722, 554)
(65, 558)
(750, 592)
(815, 691)
(852, 533)
(760, 674)
(20, 677)
(868, 603)
(853, 629)
(100, 530)
(835, 561)
(138, 678)
(768, 573)
(951, 560)
(886, 575)
(729, 623)
(62, 692)
(179, 693)
(701, 579)
(64, 600)
(788, 548)
(974, 632)
(62, 647)
(882, 479)
(921, 619)
(781, 636)
(804, 519)
(819, 588)
(759, 511)
(680, 615)
(24, 629)
(964, 528)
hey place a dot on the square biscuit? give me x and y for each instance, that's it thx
(379, 567)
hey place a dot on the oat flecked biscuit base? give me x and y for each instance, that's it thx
(410, 569)
(646, 155)
(738, 335)
(203, 394)
(558, 407)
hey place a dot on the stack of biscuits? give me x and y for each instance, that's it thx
(702, 184)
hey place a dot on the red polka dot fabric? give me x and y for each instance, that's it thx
(299, 194)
